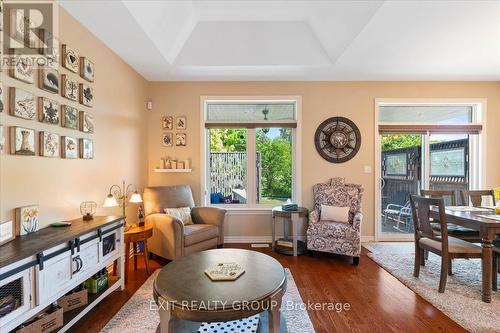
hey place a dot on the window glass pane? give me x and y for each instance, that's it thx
(433, 114)
(274, 165)
(228, 166)
(250, 112)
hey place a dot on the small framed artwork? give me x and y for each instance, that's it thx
(69, 88)
(180, 165)
(49, 48)
(1, 97)
(49, 144)
(26, 220)
(87, 69)
(69, 147)
(7, 232)
(22, 141)
(86, 149)
(23, 69)
(22, 103)
(49, 80)
(86, 122)
(167, 139)
(180, 123)
(168, 122)
(86, 95)
(48, 111)
(180, 139)
(69, 117)
(70, 59)
(2, 140)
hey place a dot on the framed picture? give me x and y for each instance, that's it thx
(23, 69)
(22, 103)
(49, 48)
(167, 140)
(87, 69)
(26, 220)
(86, 149)
(180, 123)
(49, 80)
(7, 232)
(2, 140)
(49, 144)
(180, 139)
(69, 147)
(48, 111)
(86, 122)
(70, 59)
(69, 88)
(86, 95)
(22, 141)
(168, 122)
(69, 117)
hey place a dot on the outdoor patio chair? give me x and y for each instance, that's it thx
(401, 214)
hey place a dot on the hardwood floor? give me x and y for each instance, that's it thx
(378, 301)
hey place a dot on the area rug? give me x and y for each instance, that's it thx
(136, 316)
(461, 300)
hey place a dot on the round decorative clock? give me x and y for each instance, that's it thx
(337, 139)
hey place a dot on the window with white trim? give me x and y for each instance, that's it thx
(250, 152)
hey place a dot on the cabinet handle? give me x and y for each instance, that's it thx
(79, 264)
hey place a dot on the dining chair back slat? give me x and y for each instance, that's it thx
(440, 194)
(476, 197)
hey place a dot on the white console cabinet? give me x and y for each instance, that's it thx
(37, 269)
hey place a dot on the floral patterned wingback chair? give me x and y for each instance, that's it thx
(331, 236)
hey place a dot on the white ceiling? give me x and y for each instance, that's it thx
(299, 40)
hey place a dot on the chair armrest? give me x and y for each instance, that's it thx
(168, 235)
(210, 215)
(314, 216)
(356, 222)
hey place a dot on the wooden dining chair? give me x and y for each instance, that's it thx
(454, 230)
(447, 247)
(476, 197)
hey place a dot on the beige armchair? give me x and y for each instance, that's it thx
(171, 238)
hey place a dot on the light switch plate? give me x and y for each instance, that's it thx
(368, 169)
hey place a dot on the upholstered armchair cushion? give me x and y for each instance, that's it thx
(340, 196)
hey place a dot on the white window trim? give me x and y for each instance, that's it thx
(477, 165)
(296, 151)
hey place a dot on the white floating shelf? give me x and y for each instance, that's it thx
(173, 170)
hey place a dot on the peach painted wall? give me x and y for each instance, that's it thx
(320, 100)
(59, 185)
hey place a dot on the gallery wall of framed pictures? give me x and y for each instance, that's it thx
(169, 138)
(58, 93)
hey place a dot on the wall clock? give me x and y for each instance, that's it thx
(337, 139)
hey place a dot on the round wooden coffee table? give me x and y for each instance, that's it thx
(183, 291)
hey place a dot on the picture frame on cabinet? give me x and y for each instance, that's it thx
(26, 219)
(7, 232)
(48, 111)
(49, 144)
(69, 117)
(69, 147)
(69, 88)
(86, 149)
(49, 79)
(70, 58)
(86, 95)
(22, 103)
(87, 69)
(22, 141)
(86, 122)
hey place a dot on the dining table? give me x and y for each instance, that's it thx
(487, 222)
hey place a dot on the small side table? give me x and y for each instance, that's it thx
(299, 247)
(134, 235)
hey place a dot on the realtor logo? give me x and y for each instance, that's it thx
(28, 31)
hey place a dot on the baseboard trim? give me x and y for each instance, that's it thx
(268, 239)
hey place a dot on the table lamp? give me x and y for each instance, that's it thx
(120, 195)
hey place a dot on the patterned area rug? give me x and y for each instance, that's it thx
(136, 315)
(461, 300)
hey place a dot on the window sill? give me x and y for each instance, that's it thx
(245, 210)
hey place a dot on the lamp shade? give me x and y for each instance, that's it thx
(110, 201)
(135, 198)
